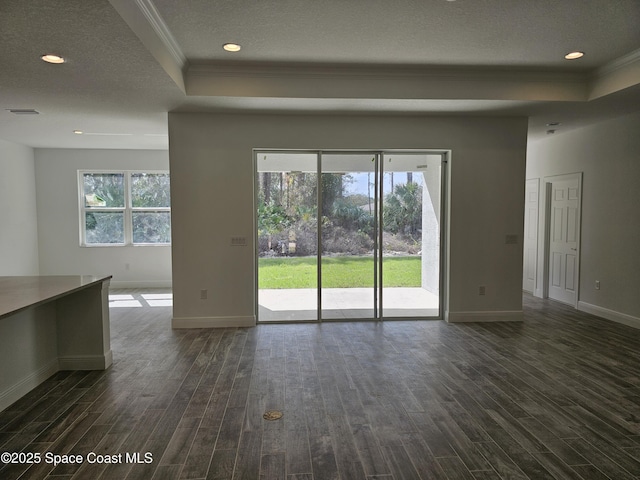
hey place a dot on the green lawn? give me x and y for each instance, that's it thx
(337, 272)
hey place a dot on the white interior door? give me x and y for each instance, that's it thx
(564, 237)
(530, 259)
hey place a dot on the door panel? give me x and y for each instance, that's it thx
(349, 264)
(287, 236)
(570, 284)
(411, 217)
(564, 235)
(530, 235)
(556, 270)
(572, 224)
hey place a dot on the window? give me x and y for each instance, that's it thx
(124, 208)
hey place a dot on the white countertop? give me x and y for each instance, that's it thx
(18, 293)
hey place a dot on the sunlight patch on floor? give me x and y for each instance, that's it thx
(137, 300)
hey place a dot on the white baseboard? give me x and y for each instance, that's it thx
(212, 322)
(609, 314)
(86, 362)
(141, 284)
(24, 386)
(500, 316)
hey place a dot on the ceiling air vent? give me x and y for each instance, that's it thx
(23, 111)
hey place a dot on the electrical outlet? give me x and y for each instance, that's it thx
(482, 290)
(597, 284)
(203, 294)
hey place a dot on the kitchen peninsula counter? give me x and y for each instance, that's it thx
(51, 323)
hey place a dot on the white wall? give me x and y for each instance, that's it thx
(212, 186)
(28, 351)
(608, 154)
(56, 173)
(18, 221)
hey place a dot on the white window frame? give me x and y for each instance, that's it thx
(127, 210)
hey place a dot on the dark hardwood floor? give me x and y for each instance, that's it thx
(557, 396)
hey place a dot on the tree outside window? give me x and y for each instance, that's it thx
(125, 208)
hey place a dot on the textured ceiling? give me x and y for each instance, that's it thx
(417, 32)
(132, 61)
(110, 83)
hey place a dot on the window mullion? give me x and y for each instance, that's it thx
(83, 210)
(128, 216)
(127, 212)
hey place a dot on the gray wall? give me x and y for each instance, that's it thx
(608, 155)
(56, 179)
(29, 350)
(18, 221)
(212, 186)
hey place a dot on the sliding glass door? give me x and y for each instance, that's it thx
(287, 236)
(411, 233)
(349, 253)
(349, 235)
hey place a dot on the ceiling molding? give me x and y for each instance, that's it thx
(152, 15)
(626, 61)
(621, 73)
(145, 21)
(343, 81)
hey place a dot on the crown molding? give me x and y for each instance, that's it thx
(146, 23)
(629, 60)
(621, 73)
(156, 22)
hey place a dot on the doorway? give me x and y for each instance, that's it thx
(349, 235)
(530, 244)
(562, 240)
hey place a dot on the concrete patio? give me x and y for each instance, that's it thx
(291, 305)
(278, 305)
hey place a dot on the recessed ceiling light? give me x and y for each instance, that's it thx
(78, 132)
(231, 47)
(50, 58)
(574, 55)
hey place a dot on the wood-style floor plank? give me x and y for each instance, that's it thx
(554, 397)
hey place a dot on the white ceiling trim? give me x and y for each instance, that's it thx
(145, 21)
(626, 61)
(623, 72)
(162, 30)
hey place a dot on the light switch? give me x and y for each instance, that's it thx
(238, 241)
